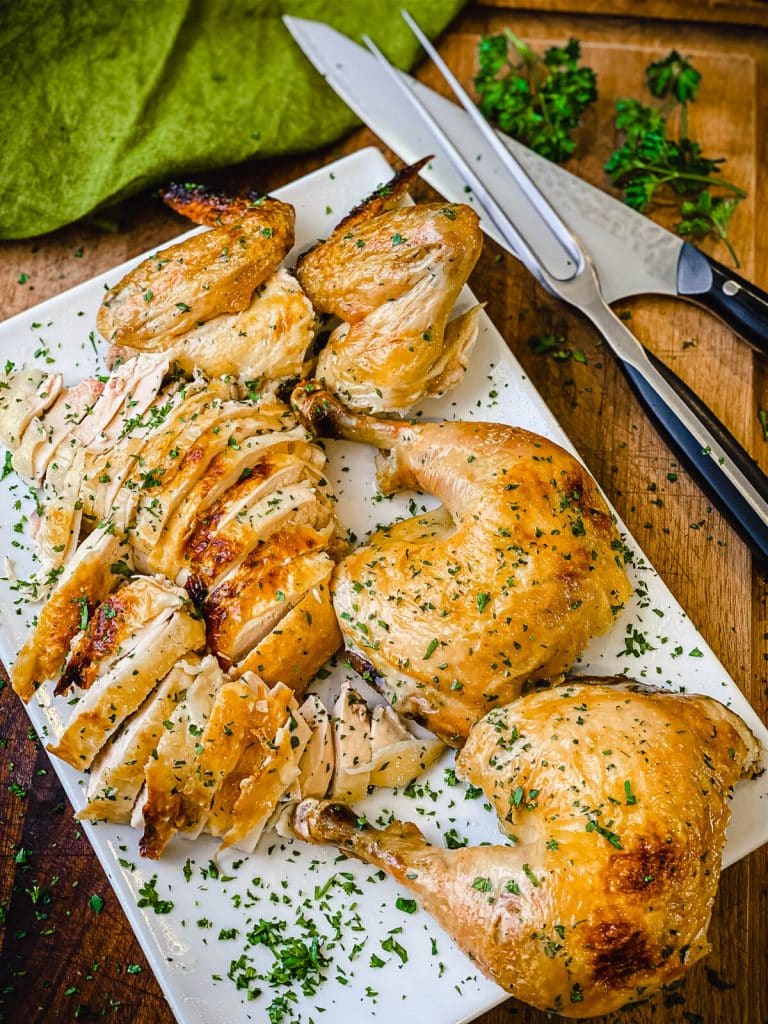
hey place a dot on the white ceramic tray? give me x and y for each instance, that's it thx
(282, 881)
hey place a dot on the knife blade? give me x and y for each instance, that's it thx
(632, 255)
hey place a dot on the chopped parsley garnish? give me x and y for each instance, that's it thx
(148, 897)
(431, 648)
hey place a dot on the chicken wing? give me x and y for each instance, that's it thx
(392, 276)
(193, 281)
(618, 803)
(452, 612)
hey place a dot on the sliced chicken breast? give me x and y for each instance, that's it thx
(114, 696)
(237, 527)
(84, 583)
(316, 766)
(117, 774)
(352, 747)
(44, 435)
(397, 756)
(116, 626)
(231, 466)
(204, 740)
(300, 644)
(265, 770)
(24, 395)
(274, 578)
(58, 533)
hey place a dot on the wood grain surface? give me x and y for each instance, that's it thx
(63, 960)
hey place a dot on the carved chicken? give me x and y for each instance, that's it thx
(616, 802)
(451, 612)
(219, 491)
(217, 302)
(392, 276)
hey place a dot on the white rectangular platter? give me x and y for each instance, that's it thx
(385, 963)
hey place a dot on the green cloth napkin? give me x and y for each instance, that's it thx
(102, 98)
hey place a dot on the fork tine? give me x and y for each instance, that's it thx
(489, 207)
(539, 201)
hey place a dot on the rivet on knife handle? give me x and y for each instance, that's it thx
(739, 303)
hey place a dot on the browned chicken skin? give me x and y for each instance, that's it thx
(455, 610)
(193, 281)
(392, 276)
(618, 801)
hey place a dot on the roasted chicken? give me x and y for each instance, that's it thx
(450, 613)
(615, 799)
(392, 276)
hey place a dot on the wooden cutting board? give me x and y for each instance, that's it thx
(58, 954)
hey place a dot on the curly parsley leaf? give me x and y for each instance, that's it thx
(539, 100)
(673, 76)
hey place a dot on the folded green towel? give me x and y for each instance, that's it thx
(101, 98)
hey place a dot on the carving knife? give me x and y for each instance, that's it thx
(630, 254)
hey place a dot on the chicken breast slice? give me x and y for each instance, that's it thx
(274, 578)
(352, 747)
(129, 392)
(117, 774)
(272, 338)
(58, 532)
(250, 458)
(166, 483)
(84, 583)
(117, 694)
(44, 435)
(267, 768)
(300, 644)
(236, 528)
(116, 626)
(203, 742)
(316, 766)
(135, 462)
(25, 394)
(397, 756)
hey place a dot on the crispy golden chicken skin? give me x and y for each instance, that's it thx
(454, 611)
(618, 800)
(198, 279)
(392, 276)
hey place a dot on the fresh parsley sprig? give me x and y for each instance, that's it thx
(539, 100)
(658, 158)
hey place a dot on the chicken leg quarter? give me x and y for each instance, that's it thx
(616, 799)
(450, 613)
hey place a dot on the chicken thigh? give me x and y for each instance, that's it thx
(450, 613)
(392, 276)
(616, 802)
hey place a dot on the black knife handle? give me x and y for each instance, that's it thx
(737, 302)
(738, 512)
